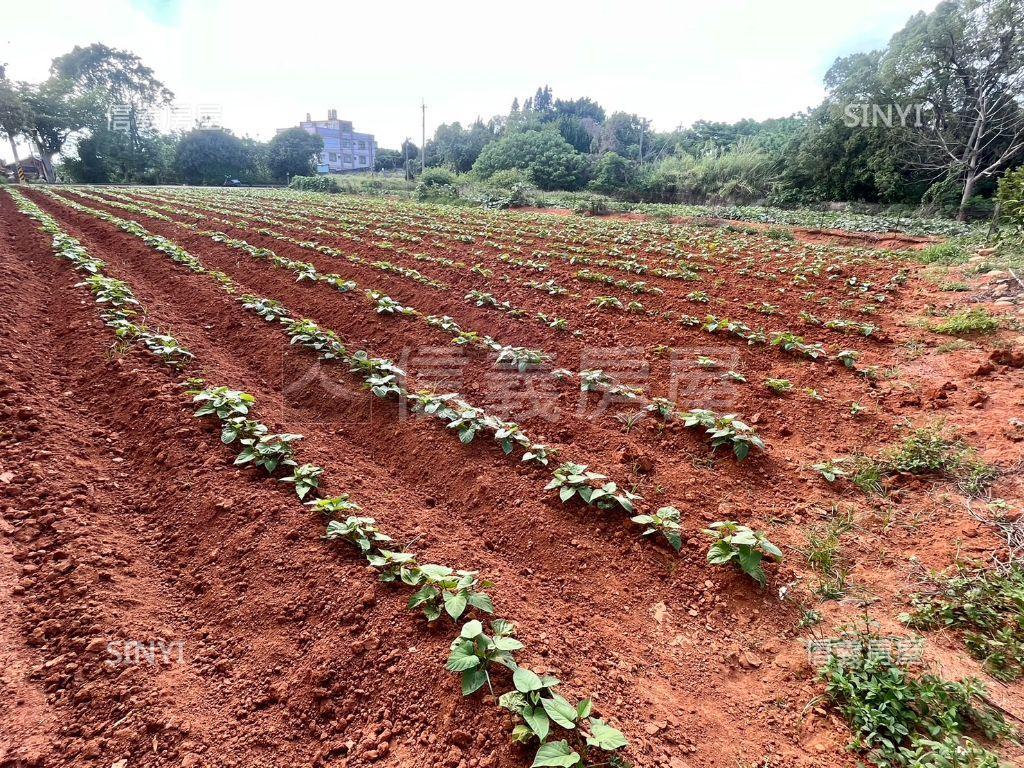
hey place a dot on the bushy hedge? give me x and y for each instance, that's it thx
(356, 184)
(315, 184)
(549, 161)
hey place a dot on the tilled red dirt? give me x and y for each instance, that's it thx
(123, 521)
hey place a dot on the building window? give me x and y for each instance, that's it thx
(333, 156)
(362, 160)
(362, 145)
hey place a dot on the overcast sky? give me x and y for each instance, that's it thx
(672, 62)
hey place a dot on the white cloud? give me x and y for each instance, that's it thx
(673, 62)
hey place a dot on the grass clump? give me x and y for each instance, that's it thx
(949, 254)
(988, 606)
(825, 557)
(901, 720)
(926, 451)
(968, 322)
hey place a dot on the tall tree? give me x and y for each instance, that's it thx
(126, 88)
(57, 112)
(15, 115)
(963, 63)
(206, 156)
(291, 153)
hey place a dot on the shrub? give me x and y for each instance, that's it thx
(1011, 202)
(590, 205)
(549, 160)
(949, 254)
(926, 451)
(437, 182)
(903, 721)
(315, 184)
(437, 177)
(987, 606)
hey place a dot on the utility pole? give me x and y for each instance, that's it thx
(405, 151)
(643, 126)
(423, 145)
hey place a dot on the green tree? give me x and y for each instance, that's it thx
(210, 157)
(964, 64)
(292, 152)
(388, 160)
(611, 173)
(15, 115)
(127, 89)
(456, 147)
(58, 112)
(550, 160)
(621, 133)
(583, 109)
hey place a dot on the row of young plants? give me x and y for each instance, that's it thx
(127, 203)
(520, 358)
(722, 429)
(785, 340)
(565, 733)
(637, 267)
(806, 262)
(383, 378)
(614, 303)
(689, 270)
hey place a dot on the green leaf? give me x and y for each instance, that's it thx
(461, 659)
(605, 737)
(526, 680)
(744, 537)
(433, 571)
(556, 753)
(454, 604)
(561, 711)
(537, 719)
(503, 627)
(473, 680)
(521, 734)
(424, 595)
(509, 644)
(472, 629)
(513, 701)
(720, 553)
(750, 562)
(481, 602)
(583, 708)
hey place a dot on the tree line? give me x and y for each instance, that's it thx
(94, 112)
(935, 118)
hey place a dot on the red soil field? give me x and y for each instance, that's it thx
(123, 519)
